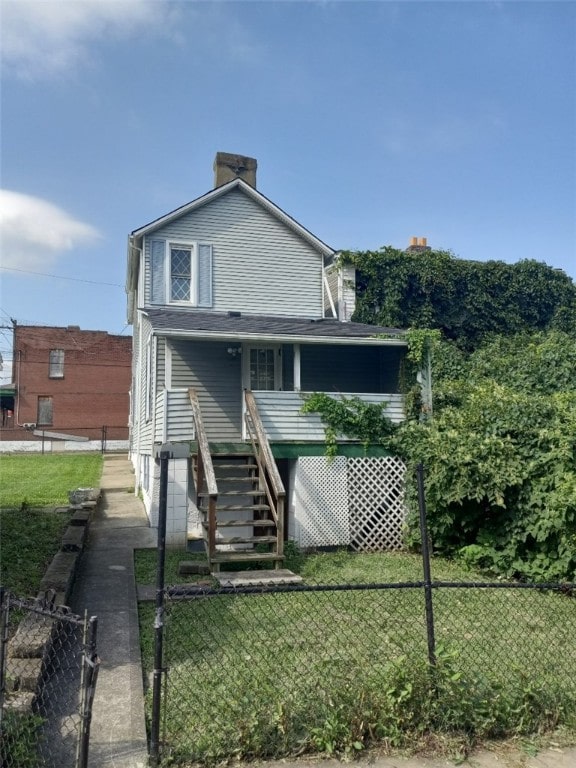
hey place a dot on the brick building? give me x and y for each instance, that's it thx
(70, 384)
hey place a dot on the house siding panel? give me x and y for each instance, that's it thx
(216, 376)
(260, 266)
(146, 426)
(283, 420)
(160, 363)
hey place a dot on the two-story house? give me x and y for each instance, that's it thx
(238, 311)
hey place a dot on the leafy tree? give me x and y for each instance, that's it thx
(500, 455)
(467, 300)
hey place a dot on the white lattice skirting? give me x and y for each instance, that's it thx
(376, 503)
(356, 502)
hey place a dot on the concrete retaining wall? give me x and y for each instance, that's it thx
(30, 646)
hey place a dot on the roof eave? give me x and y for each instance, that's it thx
(399, 341)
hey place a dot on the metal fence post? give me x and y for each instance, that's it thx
(159, 620)
(90, 666)
(426, 566)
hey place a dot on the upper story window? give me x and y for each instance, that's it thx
(182, 265)
(56, 364)
(180, 273)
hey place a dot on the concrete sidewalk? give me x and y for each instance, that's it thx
(105, 587)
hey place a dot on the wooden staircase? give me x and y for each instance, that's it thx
(240, 498)
(245, 528)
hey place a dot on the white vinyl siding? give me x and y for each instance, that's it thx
(216, 376)
(144, 425)
(282, 417)
(174, 421)
(258, 265)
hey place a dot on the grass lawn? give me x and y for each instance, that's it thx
(37, 480)
(30, 528)
(273, 675)
(338, 567)
(29, 539)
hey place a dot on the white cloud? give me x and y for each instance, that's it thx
(34, 233)
(44, 38)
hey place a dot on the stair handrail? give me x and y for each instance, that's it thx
(267, 467)
(262, 441)
(205, 470)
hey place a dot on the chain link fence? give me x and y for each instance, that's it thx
(271, 671)
(275, 670)
(48, 671)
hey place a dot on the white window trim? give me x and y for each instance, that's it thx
(193, 246)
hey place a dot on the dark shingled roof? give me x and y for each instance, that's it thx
(221, 323)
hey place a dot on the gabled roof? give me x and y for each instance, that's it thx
(220, 326)
(258, 197)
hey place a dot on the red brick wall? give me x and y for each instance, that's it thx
(93, 392)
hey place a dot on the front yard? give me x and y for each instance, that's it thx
(337, 670)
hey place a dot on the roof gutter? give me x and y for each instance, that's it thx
(371, 341)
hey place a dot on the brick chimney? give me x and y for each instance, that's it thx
(228, 167)
(418, 244)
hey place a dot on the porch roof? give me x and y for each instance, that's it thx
(236, 326)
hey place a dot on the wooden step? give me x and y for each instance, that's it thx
(238, 508)
(244, 492)
(237, 479)
(236, 557)
(237, 465)
(242, 524)
(245, 540)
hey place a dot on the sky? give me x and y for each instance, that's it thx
(371, 121)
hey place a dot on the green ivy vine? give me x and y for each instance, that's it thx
(350, 416)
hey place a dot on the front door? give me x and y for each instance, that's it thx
(264, 368)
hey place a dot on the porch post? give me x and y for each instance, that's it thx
(297, 368)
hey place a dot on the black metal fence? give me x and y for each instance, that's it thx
(48, 672)
(269, 671)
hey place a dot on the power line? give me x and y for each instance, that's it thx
(61, 277)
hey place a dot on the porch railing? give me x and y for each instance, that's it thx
(268, 471)
(204, 472)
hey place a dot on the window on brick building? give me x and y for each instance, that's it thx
(45, 413)
(56, 369)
